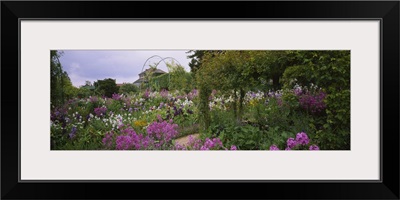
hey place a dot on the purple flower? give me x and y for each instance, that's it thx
(233, 147)
(129, 140)
(288, 149)
(164, 93)
(73, 132)
(116, 96)
(146, 94)
(93, 99)
(108, 139)
(163, 131)
(204, 148)
(100, 111)
(179, 147)
(314, 147)
(124, 142)
(298, 91)
(291, 142)
(192, 94)
(313, 102)
(273, 148)
(302, 138)
(194, 143)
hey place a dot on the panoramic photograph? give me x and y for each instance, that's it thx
(200, 100)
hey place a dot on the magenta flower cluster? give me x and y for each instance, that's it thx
(108, 139)
(162, 131)
(146, 94)
(159, 136)
(131, 140)
(100, 111)
(191, 95)
(211, 144)
(302, 138)
(164, 93)
(273, 148)
(116, 96)
(313, 102)
(93, 99)
(291, 143)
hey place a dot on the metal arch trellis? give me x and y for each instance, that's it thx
(162, 60)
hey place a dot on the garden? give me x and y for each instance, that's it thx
(230, 100)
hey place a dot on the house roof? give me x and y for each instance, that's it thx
(158, 71)
(140, 80)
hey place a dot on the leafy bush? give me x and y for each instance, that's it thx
(128, 88)
(106, 87)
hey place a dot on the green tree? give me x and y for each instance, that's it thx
(329, 70)
(128, 88)
(106, 87)
(160, 82)
(179, 78)
(88, 83)
(69, 90)
(233, 72)
(197, 56)
(61, 87)
(56, 74)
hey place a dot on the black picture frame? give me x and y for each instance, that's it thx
(386, 11)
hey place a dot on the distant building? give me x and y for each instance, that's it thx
(153, 71)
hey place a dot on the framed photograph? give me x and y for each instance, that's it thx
(119, 96)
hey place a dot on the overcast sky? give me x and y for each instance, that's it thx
(124, 65)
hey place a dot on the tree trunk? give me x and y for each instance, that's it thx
(204, 109)
(275, 82)
(242, 93)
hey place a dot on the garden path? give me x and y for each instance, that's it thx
(185, 139)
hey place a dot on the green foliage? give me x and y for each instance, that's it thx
(244, 137)
(106, 87)
(84, 92)
(160, 82)
(179, 79)
(128, 88)
(204, 110)
(329, 70)
(69, 90)
(56, 74)
(197, 58)
(61, 88)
